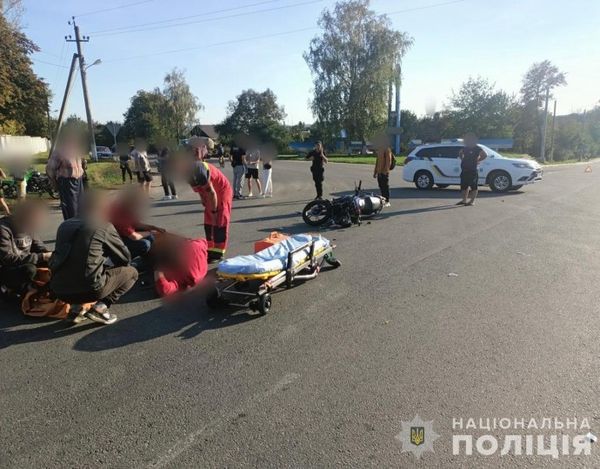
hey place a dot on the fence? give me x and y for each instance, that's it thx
(13, 145)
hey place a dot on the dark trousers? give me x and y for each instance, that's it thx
(139, 247)
(125, 169)
(119, 281)
(167, 184)
(318, 177)
(70, 191)
(384, 185)
(18, 277)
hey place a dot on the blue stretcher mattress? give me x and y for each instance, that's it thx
(272, 260)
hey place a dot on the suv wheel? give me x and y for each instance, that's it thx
(423, 180)
(500, 181)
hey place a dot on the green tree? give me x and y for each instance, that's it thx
(181, 105)
(23, 95)
(145, 117)
(539, 81)
(256, 114)
(352, 63)
(478, 107)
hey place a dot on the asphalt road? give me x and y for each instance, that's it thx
(327, 378)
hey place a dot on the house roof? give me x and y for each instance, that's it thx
(209, 131)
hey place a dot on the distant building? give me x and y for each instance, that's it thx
(207, 130)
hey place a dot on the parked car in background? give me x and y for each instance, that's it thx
(104, 153)
(438, 164)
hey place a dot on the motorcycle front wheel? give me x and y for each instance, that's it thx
(317, 212)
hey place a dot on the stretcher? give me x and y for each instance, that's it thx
(248, 281)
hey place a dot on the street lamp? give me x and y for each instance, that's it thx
(95, 62)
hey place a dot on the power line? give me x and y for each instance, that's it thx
(47, 63)
(425, 7)
(120, 7)
(123, 28)
(264, 10)
(233, 41)
(265, 36)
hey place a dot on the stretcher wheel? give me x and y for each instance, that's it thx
(333, 261)
(214, 299)
(264, 303)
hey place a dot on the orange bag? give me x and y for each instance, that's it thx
(38, 301)
(274, 238)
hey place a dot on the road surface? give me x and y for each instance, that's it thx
(329, 376)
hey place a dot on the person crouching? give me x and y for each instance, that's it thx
(91, 263)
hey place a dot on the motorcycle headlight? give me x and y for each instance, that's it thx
(522, 165)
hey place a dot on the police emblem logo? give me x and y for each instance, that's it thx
(417, 435)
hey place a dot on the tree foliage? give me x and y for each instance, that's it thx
(23, 95)
(478, 107)
(352, 62)
(182, 106)
(258, 115)
(162, 115)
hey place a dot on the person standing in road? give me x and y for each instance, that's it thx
(267, 178)
(216, 195)
(252, 162)
(142, 166)
(317, 168)
(164, 167)
(65, 171)
(124, 157)
(471, 155)
(237, 163)
(383, 165)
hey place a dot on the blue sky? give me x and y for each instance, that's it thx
(452, 41)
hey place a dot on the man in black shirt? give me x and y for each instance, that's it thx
(237, 163)
(317, 168)
(471, 155)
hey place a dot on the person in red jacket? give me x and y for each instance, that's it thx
(180, 264)
(216, 195)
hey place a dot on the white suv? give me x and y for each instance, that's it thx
(438, 164)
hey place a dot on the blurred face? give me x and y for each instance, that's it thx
(32, 219)
(318, 147)
(470, 140)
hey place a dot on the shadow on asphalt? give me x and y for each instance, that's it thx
(187, 319)
(49, 329)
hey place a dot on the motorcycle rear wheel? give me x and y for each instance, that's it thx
(317, 212)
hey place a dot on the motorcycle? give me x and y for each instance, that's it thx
(343, 211)
(40, 184)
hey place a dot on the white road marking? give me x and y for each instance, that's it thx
(189, 441)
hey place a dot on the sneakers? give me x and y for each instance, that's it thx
(387, 204)
(99, 313)
(76, 315)
(174, 197)
(250, 195)
(462, 202)
(166, 197)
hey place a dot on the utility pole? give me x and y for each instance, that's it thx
(63, 106)
(552, 133)
(545, 127)
(397, 130)
(82, 68)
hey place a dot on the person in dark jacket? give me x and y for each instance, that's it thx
(80, 264)
(124, 159)
(317, 168)
(165, 169)
(21, 252)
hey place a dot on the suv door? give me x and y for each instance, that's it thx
(446, 164)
